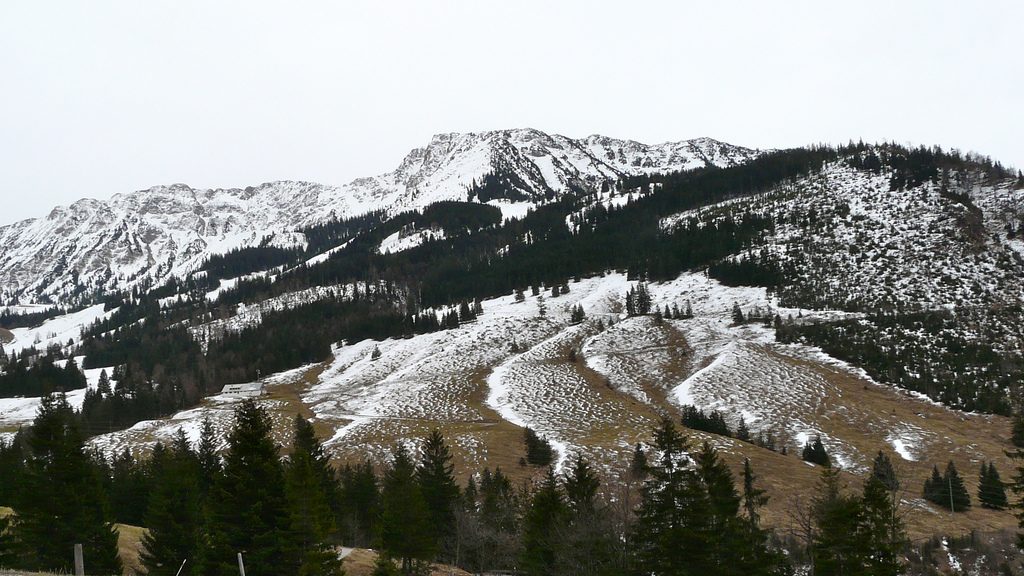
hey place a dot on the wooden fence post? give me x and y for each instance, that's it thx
(79, 561)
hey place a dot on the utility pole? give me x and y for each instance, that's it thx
(951, 507)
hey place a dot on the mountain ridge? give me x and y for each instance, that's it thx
(140, 238)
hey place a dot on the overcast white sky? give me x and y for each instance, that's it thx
(102, 97)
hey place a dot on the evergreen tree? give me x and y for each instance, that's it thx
(466, 313)
(1017, 487)
(753, 497)
(405, 530)
(638, 465)
(934, 488)
(882, 470)
(638, 300)
(174, 515)
(991, 491)
(470, 496)
(66, 505)
(957, 492)
(1017, 433)
(311, 489)
(538, 450)
(737, 314)
(718, 481)
(540, 528)
(498, 503)
(724, 543)
(671, 520)
(248, 508)
(209, 461)
(130, 487)
(742, 432)
(580, 486)
(947, 490)
(815, 453)
(838, 547)
(643, 299)
(103, 387)
(577, 315)
(361, 501)
(588, 540)
(436, 476)
(751, 551)
(881, 527)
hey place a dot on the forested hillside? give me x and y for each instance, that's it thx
(855, 306)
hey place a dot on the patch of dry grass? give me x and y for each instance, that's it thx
(361, 562)
(129, 548)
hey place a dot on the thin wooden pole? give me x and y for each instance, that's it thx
(241, 565)
(182, 567)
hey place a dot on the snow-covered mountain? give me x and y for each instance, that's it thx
(144, 237)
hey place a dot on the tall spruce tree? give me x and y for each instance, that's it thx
(311, 488)
(66, 505)
(12, 469)
(882, 521)
(209, 460)
(436, 477)
(103, 387)
(174, 515)
(754, 498)
(581, 484)
(883, 471)
(991, 490)
(248, 508)
(360, 504)
(725, 544)
(588, 541)
(838, 547)
(933, 487)
(1017, 487)
(129, 489)
(671, 535)
(742, 431)
(405, 530)
(958, 497)
(881, 528)
(541, 527)
(1017, 432)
